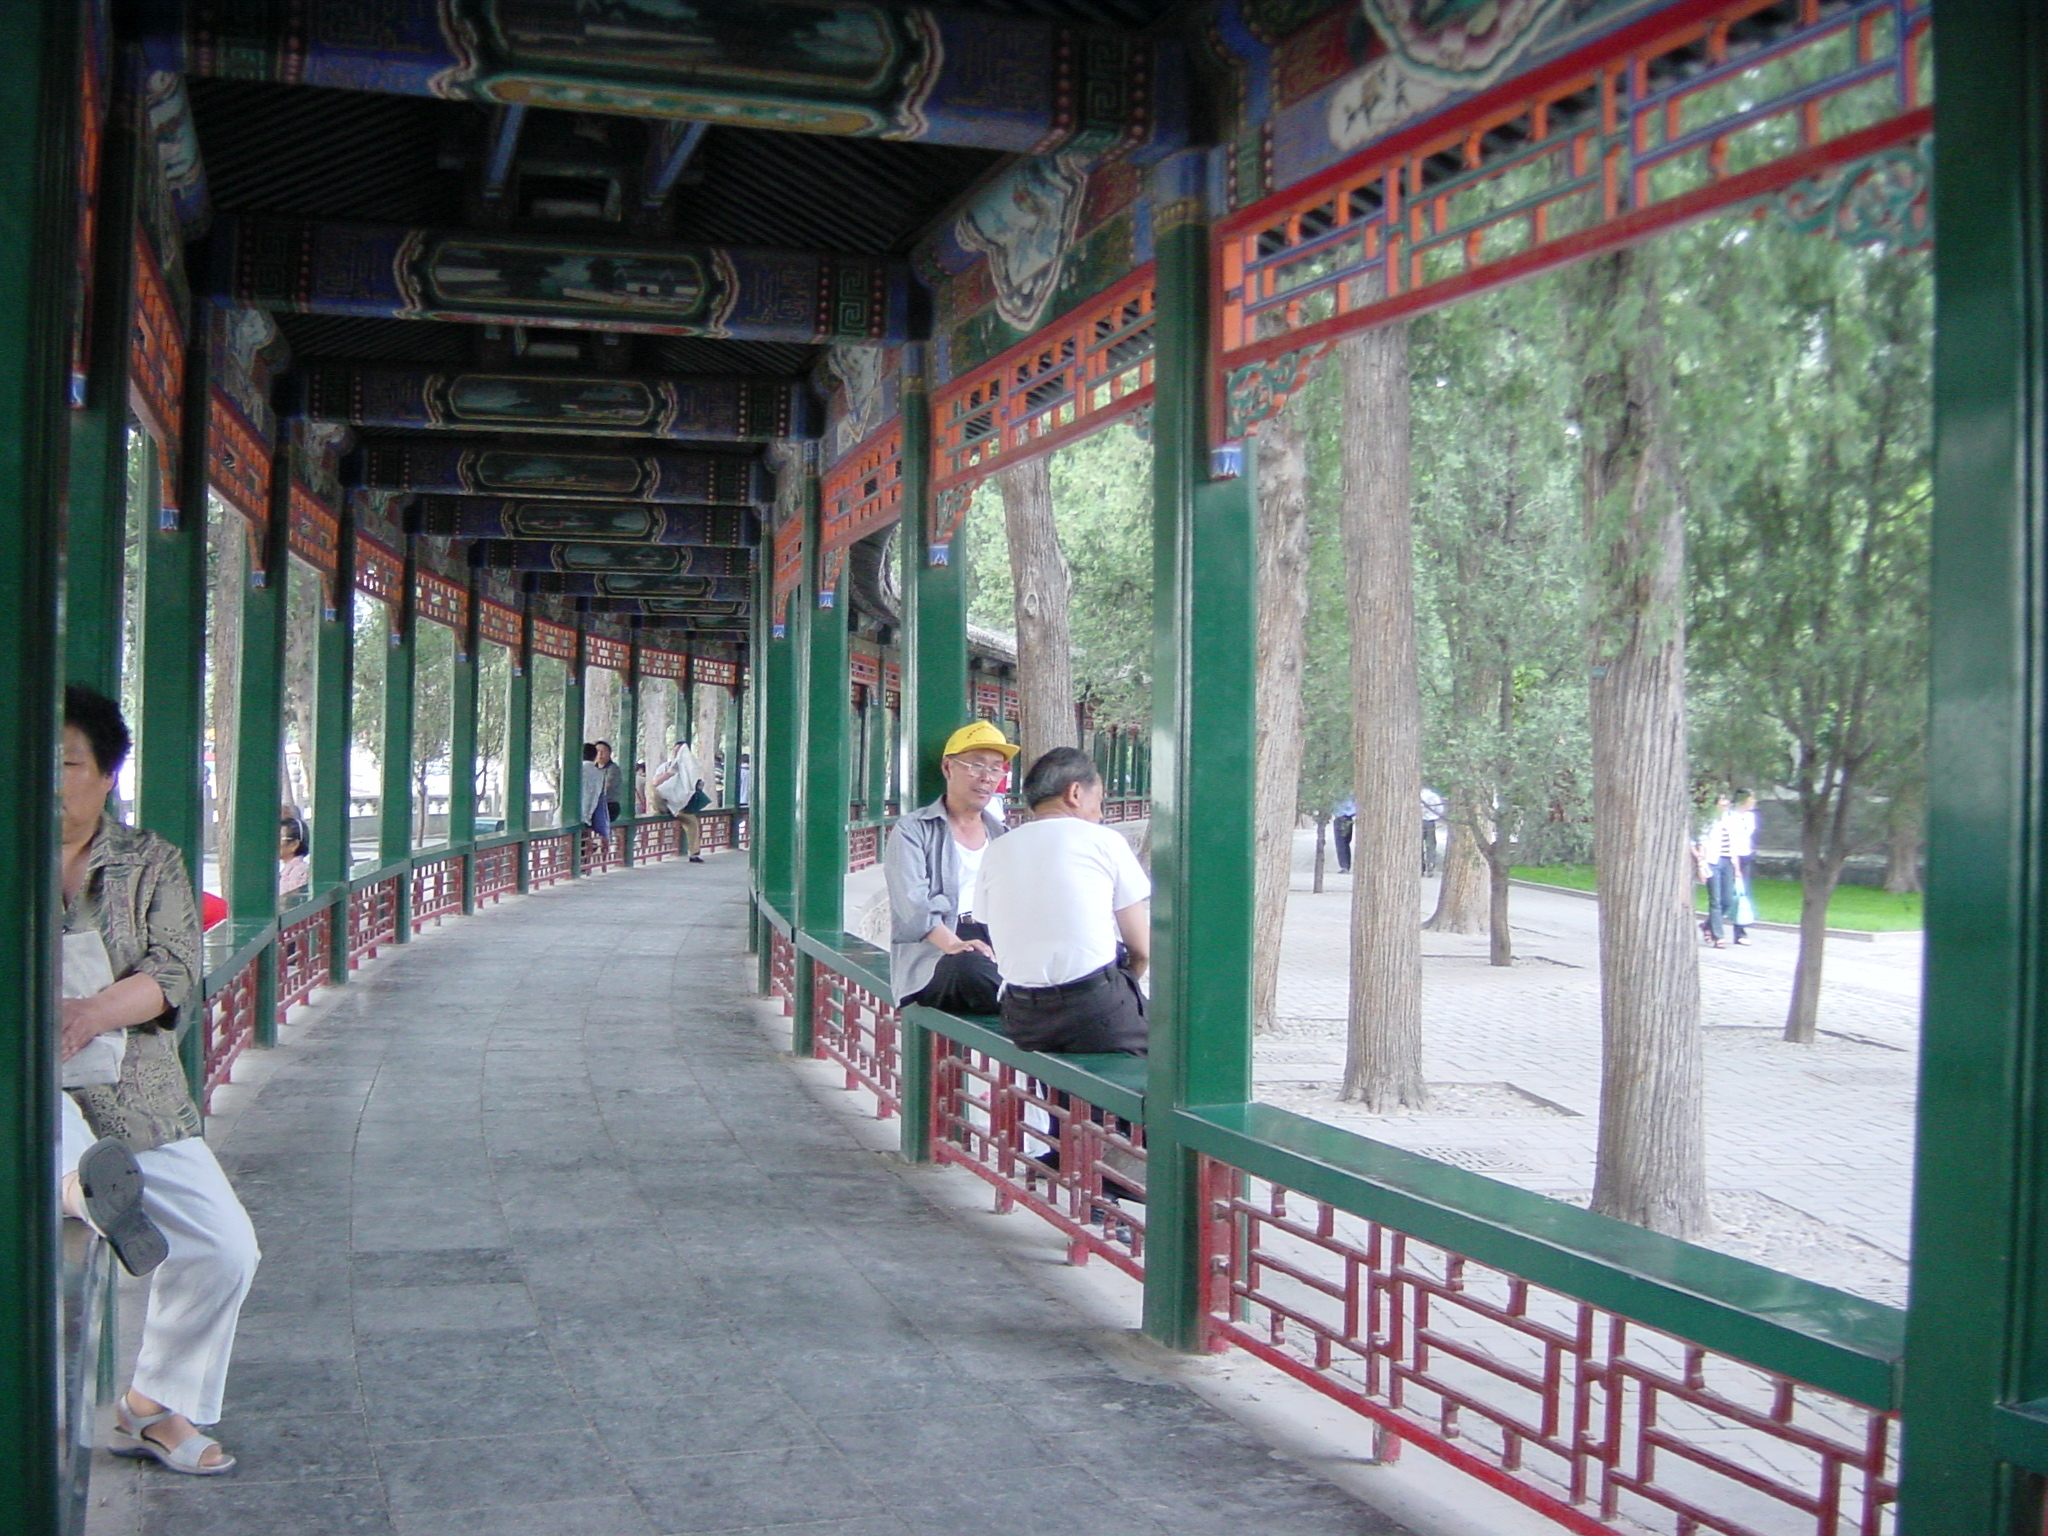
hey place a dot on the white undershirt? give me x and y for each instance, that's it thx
(970, 874)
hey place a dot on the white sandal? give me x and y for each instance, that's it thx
(185, 1456)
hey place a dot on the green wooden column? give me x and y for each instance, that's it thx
(334, 742)
(572, 752)
(462, 732)
(826, 786)
(735, 741)
(1204, 650)
(395, 811)
(1976, 1377)
(519, 745)
(626, 753)
(935, 698)
(38, 96)
(96, 516)
(172, 740)
(250, 853)
(876, 793)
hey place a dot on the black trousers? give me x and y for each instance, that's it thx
(1102, 1011)
(963, 983)
(1340, 833)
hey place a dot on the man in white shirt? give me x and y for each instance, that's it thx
(1068, 909)
(677, 784)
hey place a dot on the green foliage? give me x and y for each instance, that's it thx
(1861, 908)
(1102, 499)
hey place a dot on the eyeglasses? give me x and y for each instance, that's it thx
(982, 771)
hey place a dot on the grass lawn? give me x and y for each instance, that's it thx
(1777, 901)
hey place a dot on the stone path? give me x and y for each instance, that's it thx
(556, 1245)
(1810, 1148)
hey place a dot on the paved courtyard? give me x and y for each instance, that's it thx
(1809, 1147)
(557, 1244)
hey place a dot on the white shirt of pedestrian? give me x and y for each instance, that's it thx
(970, 875)
(1050, 892)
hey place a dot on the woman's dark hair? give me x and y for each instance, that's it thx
(293, 828)
(98, 719)
(590, 751)
(1057, 772)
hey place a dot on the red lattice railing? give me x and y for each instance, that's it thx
(436, 890)
(1067, 1162)
(863, 847)
(782, 970)
(230, 1029)
(547, 859)
(496, 871)
(1126, 810)
(607, 852)
(656, 840)
(372, 919)
(305, 958)
(1597, 1421)
(722, 829)
(861, 1032)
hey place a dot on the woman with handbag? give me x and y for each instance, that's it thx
(130, 888)
(680, 784)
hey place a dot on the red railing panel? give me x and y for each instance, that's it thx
(372, 919)
(305, 956)
(436, 890)
(496, 871)
(861, 1032)
(230, 1029)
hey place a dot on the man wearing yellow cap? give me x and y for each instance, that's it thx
(938, 954)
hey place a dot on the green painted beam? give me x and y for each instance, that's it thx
(824, 785)
(626, 753)
(334, 671)
(96, 515)
(775, 766)
(1975, 1335)
(519, 739)
(38, 95)
(1204, 650)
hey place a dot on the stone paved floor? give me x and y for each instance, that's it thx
(1810, 1147)
(556, 1245)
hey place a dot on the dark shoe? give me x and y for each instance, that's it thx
(110, 1188)
(696, 858)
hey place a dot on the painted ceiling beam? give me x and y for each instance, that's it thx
(1013, 83)
(696, 589)
(564, 470)
(679, 407)
(664, 560)
(587, 522)
(390, 271)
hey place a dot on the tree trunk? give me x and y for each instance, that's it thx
(1322, 825)
(1282, 469)
(1905, 827)
(1651, 1162)
(1383, 1061)
(1501, 943)
(1461, 889)
(1038, 571)
(1816, 889)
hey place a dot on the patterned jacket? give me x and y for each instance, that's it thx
(137, 895)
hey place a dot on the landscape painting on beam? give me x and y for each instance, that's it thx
(1012, 83)
(388, 271)
(572, 471)
(597, 522)
(680, 407)
(634, 584)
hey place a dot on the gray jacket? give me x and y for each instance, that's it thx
(924, 889)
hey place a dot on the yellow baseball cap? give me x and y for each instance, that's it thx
(976, 737)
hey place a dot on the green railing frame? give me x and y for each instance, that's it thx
(1811, 1333)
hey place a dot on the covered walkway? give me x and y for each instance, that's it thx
(556, 1242)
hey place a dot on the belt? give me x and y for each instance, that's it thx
(1085, 983)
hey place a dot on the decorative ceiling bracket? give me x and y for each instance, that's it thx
(1257, 392)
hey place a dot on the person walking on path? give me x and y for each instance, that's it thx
(614, 780)
(596, 813)
(680, 787)
(939, 951)
(1343, 817)
(130, 888)
(1715, 856)
(1069, 910)
(1432, 819)
(1742, 821)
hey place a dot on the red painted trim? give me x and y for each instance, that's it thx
(1058, 437)
(1640, 224)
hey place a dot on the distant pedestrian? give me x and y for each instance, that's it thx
(595, 813)
(1432, 819)
(1742, 823)
(1714, 854)
(1343, 817)
(680, 787)
(614, 780)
